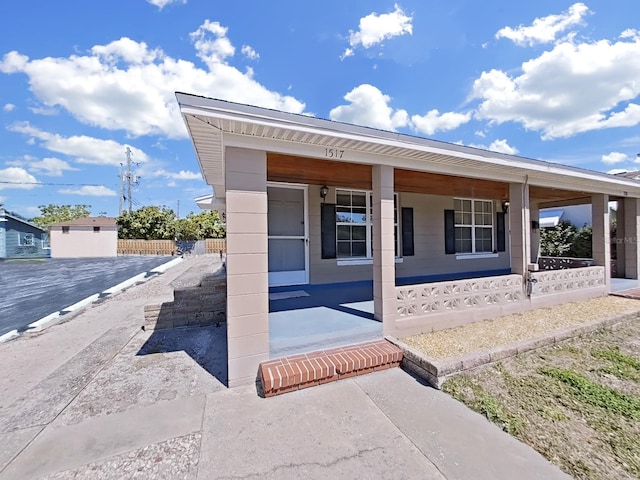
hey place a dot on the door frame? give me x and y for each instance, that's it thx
(282, 279)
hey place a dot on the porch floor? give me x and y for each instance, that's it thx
(621, 284)
(306, 318)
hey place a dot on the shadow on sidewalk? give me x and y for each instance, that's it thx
(206, 345)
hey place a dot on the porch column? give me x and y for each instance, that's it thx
(601, 242)
(384, 268)
(628, 234)
(247, 264)
(520, 227)
(534, 210)
(619, 246)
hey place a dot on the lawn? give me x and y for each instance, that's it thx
(577, 403)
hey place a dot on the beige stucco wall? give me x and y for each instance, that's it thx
(429, 258)
(83, 242)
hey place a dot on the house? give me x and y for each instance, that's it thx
(20, 238)
(576, 215)
(84, 237)
(445, 234)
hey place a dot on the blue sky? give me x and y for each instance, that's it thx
(82, 81)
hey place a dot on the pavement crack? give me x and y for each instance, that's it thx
(291, 465)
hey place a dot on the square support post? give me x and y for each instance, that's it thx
(519, 227)
(534, 213)
(247, 264)
(601, 240)
(384, 267)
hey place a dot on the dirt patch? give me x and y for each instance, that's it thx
(577, 403)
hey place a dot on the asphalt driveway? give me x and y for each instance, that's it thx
(32, 289)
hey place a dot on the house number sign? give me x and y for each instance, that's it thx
(333, 153)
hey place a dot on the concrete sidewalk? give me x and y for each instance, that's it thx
(97, 397)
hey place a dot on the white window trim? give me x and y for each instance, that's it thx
(343, 262)
(46, 241)
(368, 260)
(473, 256)
(473, 253)
(22, 237)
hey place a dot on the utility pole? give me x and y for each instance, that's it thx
(130, 179)
(178, 209)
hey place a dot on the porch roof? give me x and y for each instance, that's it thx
(215, 124)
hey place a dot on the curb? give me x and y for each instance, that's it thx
(51, 319)
(436, 371)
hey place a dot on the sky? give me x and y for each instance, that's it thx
(82, 82)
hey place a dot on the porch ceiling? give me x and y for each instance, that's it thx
(214, 124)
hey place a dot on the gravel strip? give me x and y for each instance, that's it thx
(509, 329)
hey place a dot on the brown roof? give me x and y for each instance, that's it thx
(87, 222)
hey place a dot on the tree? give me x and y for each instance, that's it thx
(556, 241)
(581, 246)
(198, 226)
(60, 213)
(147, 223)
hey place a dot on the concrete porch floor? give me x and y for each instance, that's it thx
(305, 318)
(621, 284)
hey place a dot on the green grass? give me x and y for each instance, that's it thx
(621, 365)
(472, 394)
(592, 393)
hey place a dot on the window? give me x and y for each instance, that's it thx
(65, 229)
(27, 240)
(96, 229)
(474, 225)
(354, 224)
(44, 238)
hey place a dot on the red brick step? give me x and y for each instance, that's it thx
(307, 370)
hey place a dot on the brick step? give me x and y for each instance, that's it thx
(307, 370)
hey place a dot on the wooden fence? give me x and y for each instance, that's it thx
(170, 247)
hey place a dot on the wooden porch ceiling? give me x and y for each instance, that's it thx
(292, 169)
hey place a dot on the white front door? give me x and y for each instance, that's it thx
(288, 235)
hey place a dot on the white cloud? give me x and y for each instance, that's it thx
(82, 148)
(125, 85)
(503, 147)
(614, 157)
(434, 121)
(249, 52)
(17, 177)
(163, 3)
(181, 175)
(500, 146)
(373, 29)
(369, 106)
(545, 29)
(52, 167)
(89, 190)
(570, 89)
(8, 107)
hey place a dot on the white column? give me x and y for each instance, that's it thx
(628, 235)
(384, 268)
(247, 264)
(520, 227)
(601, 242)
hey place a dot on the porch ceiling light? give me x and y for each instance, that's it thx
(324, 191)
(505, 206)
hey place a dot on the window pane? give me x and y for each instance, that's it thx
(344, 232)
(458, 218)
(466, 205)
(359, 199)
(457, 204)
(463, 233)
(344, 249)
(359, 215)
(466, 218)
(343, 198)
(463, 246)
(359, 249)
(359, 233)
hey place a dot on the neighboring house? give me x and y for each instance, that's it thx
(20, 238)
(444, 233)
(84, 237)
(576, 215)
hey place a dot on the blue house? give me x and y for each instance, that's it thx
(21, 239)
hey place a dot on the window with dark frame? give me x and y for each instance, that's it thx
(65, 229)
(96, 229)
